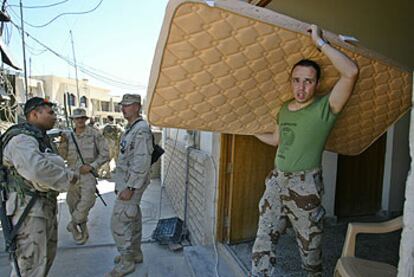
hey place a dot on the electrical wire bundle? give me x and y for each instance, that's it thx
(94, 73)
(8, 105)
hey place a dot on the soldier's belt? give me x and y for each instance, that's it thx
(277, 172)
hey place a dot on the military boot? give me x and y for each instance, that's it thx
(72, 228)
(139, 258)
(125, 266)
(84, 233)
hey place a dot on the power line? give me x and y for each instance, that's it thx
(109, 76)
(35, 52)
(40, 7)
(111, 81)
(62, 14)
(90, 71)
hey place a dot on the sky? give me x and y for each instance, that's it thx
(117, 39)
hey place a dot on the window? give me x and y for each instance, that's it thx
(84, 102)
(105, 106)
(72, 99)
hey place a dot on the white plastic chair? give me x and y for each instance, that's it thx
(350, 266)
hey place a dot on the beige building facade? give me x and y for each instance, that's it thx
(96, 100)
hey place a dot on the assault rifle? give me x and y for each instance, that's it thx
(9, 231)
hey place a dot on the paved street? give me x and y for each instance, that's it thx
(96, 256)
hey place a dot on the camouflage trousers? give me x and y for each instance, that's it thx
(293, 198)
(37, 242)
(105, 169)
(126, 227)
(81, 198)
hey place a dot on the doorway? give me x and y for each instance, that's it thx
(359, 181)
(245, 163)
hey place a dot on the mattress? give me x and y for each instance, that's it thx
(225, 68)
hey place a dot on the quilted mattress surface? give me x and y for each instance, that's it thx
(226, 69)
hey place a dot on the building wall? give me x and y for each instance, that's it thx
(329, 165)
(36, 88)
(400, 164)
(202, 181)
(56, 87)
(156, 167)
(405, 266)
(396, 167)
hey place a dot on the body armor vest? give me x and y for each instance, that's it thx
(10, 179)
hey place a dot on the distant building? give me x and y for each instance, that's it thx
(96, 100)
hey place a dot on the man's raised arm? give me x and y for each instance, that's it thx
(346, 67)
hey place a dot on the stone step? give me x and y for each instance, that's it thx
(202, 261)
(169, 266)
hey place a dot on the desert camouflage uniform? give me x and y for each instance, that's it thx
(94, 149)
(133, 170)
(294, 198)
(112, 134)
(44, 172)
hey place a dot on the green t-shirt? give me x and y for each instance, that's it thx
(303, 134)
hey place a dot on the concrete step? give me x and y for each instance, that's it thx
(169, 266)
(203, 262)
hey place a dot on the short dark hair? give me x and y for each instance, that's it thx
(37, 108)
(309, 63)
(34, 102)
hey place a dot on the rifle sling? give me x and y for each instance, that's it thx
(19, 223)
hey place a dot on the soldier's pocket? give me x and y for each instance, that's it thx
(27, 248)
(318, 181)
(128, 213)
(317, 214)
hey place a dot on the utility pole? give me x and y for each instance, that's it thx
(76, 68)
(30, 74)
(3, 17)
(24, 51)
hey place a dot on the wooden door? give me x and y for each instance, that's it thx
(245, 162)
(359, 181)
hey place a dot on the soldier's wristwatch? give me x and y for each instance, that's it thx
(320, 43)
(131, 189)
